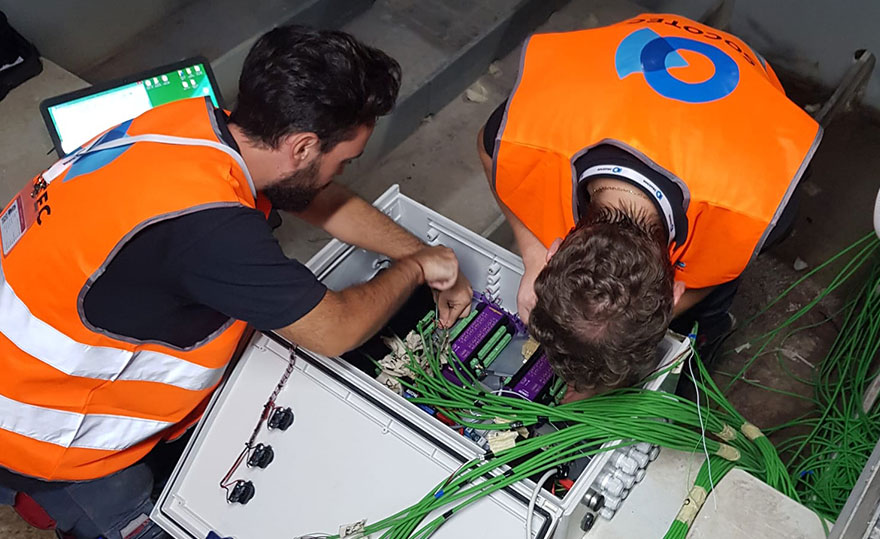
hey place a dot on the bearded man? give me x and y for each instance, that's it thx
(131, 269)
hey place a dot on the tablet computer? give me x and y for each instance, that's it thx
(75, 118)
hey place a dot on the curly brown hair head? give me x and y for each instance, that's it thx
(604, 300)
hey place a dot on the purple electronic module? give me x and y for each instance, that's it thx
(534, 381)
(450, 375)
(480, 328)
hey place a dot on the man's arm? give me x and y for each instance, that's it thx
(353, 220)
(533, 252)
(689, 298)
(345, 319)
(349, 218)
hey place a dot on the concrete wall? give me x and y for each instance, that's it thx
(78, 34)
(813, 38)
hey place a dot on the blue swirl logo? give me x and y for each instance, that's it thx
(644, 51)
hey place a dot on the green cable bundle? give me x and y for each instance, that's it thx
(833, 442)
(605, 422)
(845, 426)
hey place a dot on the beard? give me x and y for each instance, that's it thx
(296, 191)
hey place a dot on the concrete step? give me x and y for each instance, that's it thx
(437, 164)
(442, 46)
(220, 30)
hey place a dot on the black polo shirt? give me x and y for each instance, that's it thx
(179, 280)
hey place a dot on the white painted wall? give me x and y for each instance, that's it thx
(813, 38)
(77, 34)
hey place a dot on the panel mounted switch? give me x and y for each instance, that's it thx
(241, 492)
(261, 456)
(281, 419)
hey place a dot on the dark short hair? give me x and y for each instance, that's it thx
(298, 79)
(604, 301)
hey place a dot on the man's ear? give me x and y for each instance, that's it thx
(301, 147)
(553, 248)
(678, 288)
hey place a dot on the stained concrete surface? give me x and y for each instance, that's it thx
(12, 527)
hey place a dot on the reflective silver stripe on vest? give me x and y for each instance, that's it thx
(54, 348)
(69, 429)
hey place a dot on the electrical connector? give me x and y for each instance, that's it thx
(624, 462)
(610, 485)
(628, 480)
(641, 458)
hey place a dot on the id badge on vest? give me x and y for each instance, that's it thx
(29, 206)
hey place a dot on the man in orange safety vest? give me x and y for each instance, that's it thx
(130, 270)
(642, 166)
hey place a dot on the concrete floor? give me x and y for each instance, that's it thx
(12, 527)
(438, 166)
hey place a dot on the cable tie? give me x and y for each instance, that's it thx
(446, 515)
(691, 506)
(501, 440)
(728, 452)
(698, 494)
(727, 433)
(439, 493)
(752, 432)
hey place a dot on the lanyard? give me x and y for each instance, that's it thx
(642, 181)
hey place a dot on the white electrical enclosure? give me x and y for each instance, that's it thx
(356, 450)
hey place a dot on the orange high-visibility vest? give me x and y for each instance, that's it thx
(693, 103)
(77, 402)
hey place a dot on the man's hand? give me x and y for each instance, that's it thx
(534, 261)
(439, 266)
(454, 303)
(525, 297)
